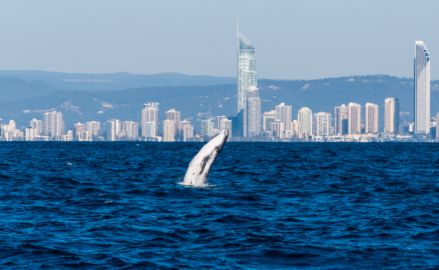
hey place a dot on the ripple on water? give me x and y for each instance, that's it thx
(266, 206)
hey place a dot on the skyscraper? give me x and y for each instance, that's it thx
(184, 123)
(218, 121)
(294, 127)
(113, 128)
(38, 126)
(422, 89)
(247, 75)
(341, 120)
(173, 115)
(70, 136)
(354, 118)
(206, 128)
(284, 114)
(372, 113)
(391, 119)
(150, 113)
(131, 129)
(322, 124)
(304, 116)
(93, 128)
(53, 124)
(253, 112)
(188, 132)
(226, 124)
(278, 129)
(149, 130)
(30, 133)
(79, 128)
(169, 130)
(268, 118)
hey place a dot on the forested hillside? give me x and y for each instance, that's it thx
(196, 101)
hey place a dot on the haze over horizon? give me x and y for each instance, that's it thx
(294, 40)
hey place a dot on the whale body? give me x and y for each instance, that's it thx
(199, 168)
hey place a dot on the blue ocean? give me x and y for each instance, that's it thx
(268, 206)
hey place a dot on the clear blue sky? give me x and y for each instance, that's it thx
(294, 39)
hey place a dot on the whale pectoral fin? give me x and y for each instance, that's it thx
(201, 164)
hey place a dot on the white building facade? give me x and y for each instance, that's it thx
(113, 128)
(422, 89)
(391, 118)
(341, 120)
(38, 126)
(93, 128)
(372, 118)
(168, 131)
(322, 124)
(150, 113)
(284, 114)
(304, 117)
(53, 124)
(253, 112)
(354, 124)
(247, 75)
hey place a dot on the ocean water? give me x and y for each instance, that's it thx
(268, 206)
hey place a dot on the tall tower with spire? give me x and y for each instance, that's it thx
(422, 89)
(247, 76)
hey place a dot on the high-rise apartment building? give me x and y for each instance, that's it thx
(93, 128)
(150, 113)
(79, 128)
(206, 128)
(322, 124)
(341, 120)
(10, 132)
(304, 117)
(188, 132)
(284, 114)
(294, 127)
(372, 118)
(253, 112)
(277, 129)
(422, 89)
(38, 126)
(53, 124)
(226, 124)
(247, 75)
(113, 128)
(30, 134)
(131, 129)
(391, 118)
(169, 130)
(184, 123)
(218, 121)
(354, 118)
(69, 136)
(149, 130)
(173, 115)
(267, 119)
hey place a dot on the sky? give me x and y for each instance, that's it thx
(294, 39)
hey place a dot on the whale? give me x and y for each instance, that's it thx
(199, 168)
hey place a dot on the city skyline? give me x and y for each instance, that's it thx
(249, 121)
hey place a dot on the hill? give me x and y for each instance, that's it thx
(212, 100)
(15, 89)
(114, 81)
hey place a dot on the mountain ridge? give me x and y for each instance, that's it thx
(197, 101)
